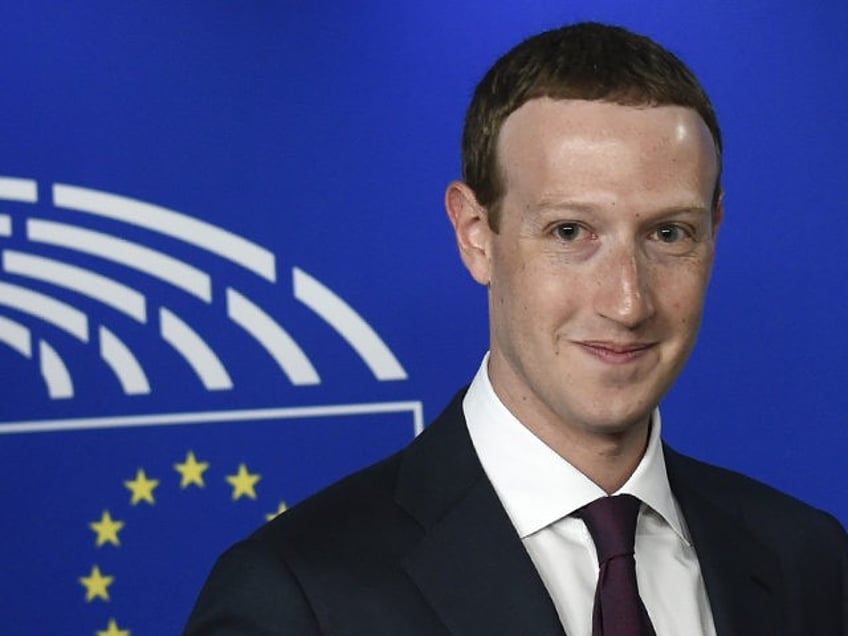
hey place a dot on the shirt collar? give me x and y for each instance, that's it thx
(536, 486)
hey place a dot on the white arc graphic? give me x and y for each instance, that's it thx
(349, 325)
(123, 363)
(14, 189)
(144, 259)
(16, 336)
(56, 268)
(56, 312)
(275, 340)
(194, 349)
(55, 373)
(101, 288)
(170, 222)
(53, 369)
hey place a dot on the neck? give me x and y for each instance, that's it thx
(605, 450)
(607, 455)
(608, 459)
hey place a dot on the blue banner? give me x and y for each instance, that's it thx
(226, 277)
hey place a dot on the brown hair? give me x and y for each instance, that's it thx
(587, 61)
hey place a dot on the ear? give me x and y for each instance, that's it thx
(471, 226)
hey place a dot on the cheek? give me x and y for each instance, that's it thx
(536, 293)
(682, 300)
(509, 281)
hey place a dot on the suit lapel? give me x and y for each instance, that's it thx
(471, 565)
(741, 575)
(474, 571)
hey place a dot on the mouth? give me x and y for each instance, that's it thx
(616, 352)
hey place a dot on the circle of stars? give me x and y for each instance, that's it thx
(142, 490)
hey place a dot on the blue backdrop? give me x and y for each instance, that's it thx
(227, 278)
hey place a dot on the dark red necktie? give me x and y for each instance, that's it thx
(618, 609)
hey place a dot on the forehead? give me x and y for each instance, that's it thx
(549, 143)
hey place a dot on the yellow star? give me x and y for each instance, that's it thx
(113, 630)
(107, 529)
(96, 585)
(141, 487)
(191, 471)
(280, 510)
(243, 483)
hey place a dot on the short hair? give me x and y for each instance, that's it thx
(585, 61)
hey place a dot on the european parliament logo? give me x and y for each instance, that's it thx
(166, 390)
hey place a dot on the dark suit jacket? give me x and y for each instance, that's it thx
(420, 544)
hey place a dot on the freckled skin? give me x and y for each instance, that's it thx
(597, 274)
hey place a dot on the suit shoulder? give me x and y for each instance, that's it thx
(249, 593)
(748, 498)
(374, 505)
(357, 504)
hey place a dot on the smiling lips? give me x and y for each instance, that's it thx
(616, 352)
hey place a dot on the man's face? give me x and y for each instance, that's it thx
(598, 271)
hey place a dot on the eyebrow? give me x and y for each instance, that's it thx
(588, 207)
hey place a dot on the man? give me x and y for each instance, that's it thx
(589, 209)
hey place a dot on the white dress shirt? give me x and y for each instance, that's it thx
(539, 490)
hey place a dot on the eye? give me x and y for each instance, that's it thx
(671, 233)
(568, 231)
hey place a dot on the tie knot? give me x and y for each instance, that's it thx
(612, 523)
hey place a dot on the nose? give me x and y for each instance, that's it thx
(624, 293)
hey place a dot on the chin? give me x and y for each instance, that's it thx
(617, 421)
(615, 427)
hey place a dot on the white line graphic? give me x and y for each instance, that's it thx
(349, 325)
(196, 352)
(14, 189)
(211, 417)
(275, 340)
(55, 373)
(16, 336)
(170, 222)
(56, 312)
(110, 292)
(144, 259)
(123, 363)
(86, 280)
